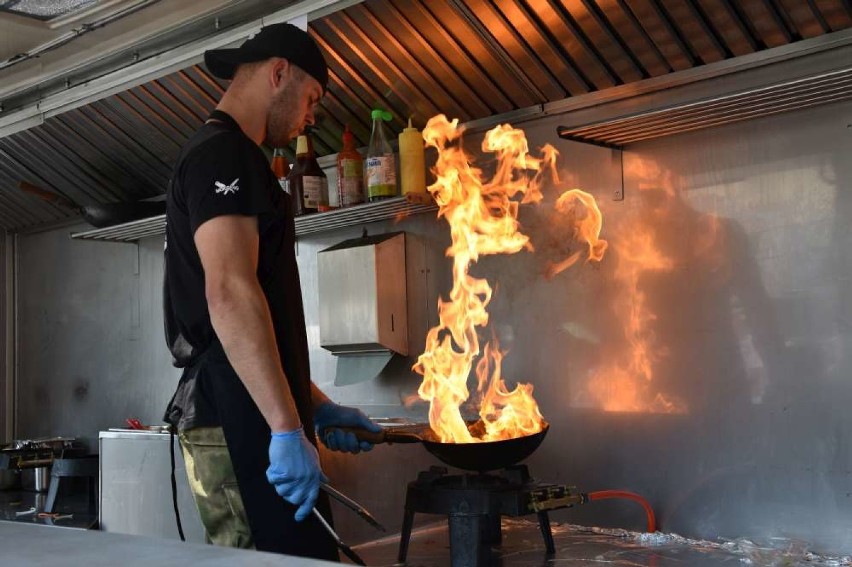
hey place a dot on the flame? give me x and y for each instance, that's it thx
(587, 221)
(625, 383)
(483, 220)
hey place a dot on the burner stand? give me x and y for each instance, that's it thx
(474, 504)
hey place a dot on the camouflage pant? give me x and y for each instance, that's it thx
(214, 487)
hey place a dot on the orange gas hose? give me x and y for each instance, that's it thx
(649, 512)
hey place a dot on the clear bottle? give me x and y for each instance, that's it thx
(350, 172)
(307, 181)
(381, 164)
(281, 168)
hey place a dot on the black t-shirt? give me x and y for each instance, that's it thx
(220, 171)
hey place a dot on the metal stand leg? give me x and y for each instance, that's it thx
(465, 547)
(544, 524)
(52, 491)
(405, 535)
(86, 467)
(93, 495)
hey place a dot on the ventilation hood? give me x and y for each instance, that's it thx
(109, 128)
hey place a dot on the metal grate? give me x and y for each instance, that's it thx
(43, 9)
(754, 103)
(395, 208)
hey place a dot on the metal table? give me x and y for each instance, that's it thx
(35, 546)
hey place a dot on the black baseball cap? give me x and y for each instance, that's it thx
(278, 40)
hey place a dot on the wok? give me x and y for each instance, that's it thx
(480, 457)
(102, 215)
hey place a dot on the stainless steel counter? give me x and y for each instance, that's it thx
(37, 546)
(581, 546)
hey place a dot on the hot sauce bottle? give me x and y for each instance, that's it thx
(281, 168)
(350, 172)
(307, 181)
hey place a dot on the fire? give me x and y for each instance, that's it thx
(483, 220)
(626, 382)
(587, 226)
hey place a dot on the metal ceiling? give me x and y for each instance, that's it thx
(469, 59)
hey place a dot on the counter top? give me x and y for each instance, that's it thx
(133, 434)
(37, 545)
(578, 546)
(49, 546)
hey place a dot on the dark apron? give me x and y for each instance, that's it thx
(247, 435)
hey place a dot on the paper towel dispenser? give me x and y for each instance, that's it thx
(362, 296)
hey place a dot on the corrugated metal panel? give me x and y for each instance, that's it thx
(783, 97)
(470, 59)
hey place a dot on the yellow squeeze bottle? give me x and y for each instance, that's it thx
(412, 161)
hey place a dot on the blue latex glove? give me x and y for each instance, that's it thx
(329, 416)
(294, 470)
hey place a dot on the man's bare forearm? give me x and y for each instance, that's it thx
(241, 319)
(318, 397)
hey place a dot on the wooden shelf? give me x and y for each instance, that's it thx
(395, 207)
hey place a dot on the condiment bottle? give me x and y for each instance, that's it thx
(281, 168)
(307, 181)
(350, 172)
(412, 161)
(381, 165)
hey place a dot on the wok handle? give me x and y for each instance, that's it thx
(46, 195)
(383, 436)
(361, 434)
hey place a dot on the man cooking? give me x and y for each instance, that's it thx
(245, 407)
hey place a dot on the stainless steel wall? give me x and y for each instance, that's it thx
(90, 335)
(730, 249)
(733, 242)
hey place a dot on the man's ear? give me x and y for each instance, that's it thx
(279, 73)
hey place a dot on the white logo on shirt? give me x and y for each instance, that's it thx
(226, 189)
